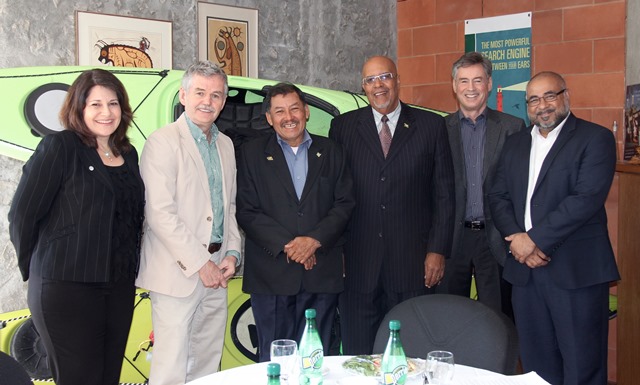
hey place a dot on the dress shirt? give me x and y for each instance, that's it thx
(209, 154)
(393, 119)
(540, 147)
(473, 139)
(296, 158)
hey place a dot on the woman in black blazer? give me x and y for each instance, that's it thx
(76, 222)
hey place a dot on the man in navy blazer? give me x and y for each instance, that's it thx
(401, 228)
(294, 201)
(548, 201)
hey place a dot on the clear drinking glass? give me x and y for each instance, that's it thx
(285, 352)
(439, 367)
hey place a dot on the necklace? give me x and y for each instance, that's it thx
(108, 155)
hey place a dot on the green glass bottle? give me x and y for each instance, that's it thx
(311, 352)
(273, 374)
(394, 362)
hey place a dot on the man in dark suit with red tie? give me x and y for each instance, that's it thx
(548, 202)
(401, 228)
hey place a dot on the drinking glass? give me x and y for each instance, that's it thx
(285, 352)
(439, 367)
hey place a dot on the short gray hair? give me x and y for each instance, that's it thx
(469, 59)
(206, 69)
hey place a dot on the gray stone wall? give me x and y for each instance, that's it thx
(316, 42)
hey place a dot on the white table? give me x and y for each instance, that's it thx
(257, 374)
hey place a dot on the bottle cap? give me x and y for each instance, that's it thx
(310, 313)
(394, 324)
(273, 369)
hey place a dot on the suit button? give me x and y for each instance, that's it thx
(379, 235)
(300, 214)
(383, 178)
(383, 207)
(209, 219)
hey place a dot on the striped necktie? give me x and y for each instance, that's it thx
(385, 136)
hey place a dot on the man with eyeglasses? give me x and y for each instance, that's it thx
(548, 202)
(400, 230)
(476, 135)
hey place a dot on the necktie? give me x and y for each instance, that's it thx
(385, 136)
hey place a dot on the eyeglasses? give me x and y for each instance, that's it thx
(548, 97)
(370, 80)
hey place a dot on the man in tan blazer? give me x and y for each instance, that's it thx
(191, 238)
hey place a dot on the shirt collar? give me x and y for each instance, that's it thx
(393, 115)
(463, 118)
(197, 133)
(306, 140)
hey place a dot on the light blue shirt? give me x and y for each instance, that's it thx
(297, 161)
(211, 159)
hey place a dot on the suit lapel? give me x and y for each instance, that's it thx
(493, 134)
(275, 159)
(567, 132)
(369, 133)
(315, 158)
(189, 145)
(404, 130)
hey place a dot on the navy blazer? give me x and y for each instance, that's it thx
(271, 215)
(62, 214)
(405, 203)
(567, 207)
(498, 127)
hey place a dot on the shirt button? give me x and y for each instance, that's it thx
(300, 214)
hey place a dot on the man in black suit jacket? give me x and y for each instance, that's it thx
(294, 201)
(400, 230)
(548, 201)
(476, 135)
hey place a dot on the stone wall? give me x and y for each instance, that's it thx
(320, 43)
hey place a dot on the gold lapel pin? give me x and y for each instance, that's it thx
(318, 154)
(406, 125)
(269, 158)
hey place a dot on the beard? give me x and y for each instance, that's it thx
(560, 113)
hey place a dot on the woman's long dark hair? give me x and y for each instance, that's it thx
(72, 112)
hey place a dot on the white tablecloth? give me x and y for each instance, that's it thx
(257, 374)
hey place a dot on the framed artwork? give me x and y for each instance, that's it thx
(228, 36)
(122, 41)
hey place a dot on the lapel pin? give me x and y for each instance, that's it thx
(269, 158)
(318, 154)
(90, 168)
(406, 125)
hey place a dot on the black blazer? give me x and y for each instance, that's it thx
(498, 127)
(62, 214)
(271, 215)
(567, 207)
(405, 203)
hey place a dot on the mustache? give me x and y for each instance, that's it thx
(546, 111)
(206, 108)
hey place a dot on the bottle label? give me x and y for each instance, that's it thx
(313, 360)
(395, 377)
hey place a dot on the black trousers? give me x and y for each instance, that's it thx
(84, 327)
(282, 317)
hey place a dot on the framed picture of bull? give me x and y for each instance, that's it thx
(228, 36)
(122, 41)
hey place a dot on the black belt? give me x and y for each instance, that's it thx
(213, 247)
(474, 225)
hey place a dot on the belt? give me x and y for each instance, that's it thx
(213, 247)
(474, 225)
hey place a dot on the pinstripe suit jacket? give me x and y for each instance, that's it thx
(62, 213)
(404, 203)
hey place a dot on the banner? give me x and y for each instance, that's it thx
(506, 41)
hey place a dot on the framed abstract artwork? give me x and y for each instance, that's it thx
(228, 36)
(123, 41)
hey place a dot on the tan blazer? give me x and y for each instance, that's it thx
(178, 212)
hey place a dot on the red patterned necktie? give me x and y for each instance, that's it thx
(385, 136)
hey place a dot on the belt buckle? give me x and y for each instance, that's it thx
(476, 225)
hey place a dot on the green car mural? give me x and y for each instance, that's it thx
(31, 100)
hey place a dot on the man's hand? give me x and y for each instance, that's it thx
(211, 275)
(521, 246)
(536, 259)
(433, 269)
(300, 249)
(310, 263)
(228, 268)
